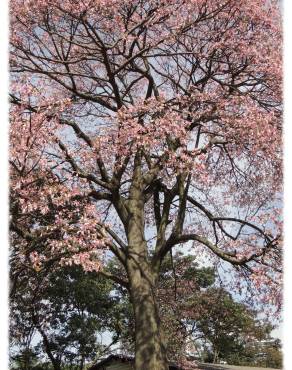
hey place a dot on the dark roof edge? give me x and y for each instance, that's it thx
(109, 359)
(123, 358)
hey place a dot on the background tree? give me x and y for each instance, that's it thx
(226, 324)
(137, 126)
(197, 313)
(272, 355)
(76, 308)
(26, 359)
(263, 353)
(181, 279)
(62, 319)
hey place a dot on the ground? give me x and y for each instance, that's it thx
(230, 367)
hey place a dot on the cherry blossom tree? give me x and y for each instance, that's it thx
(141, 126)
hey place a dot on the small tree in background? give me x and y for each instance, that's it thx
(262, 353)
(61, 317)
(226, 324)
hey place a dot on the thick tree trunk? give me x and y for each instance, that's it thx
(150, 353)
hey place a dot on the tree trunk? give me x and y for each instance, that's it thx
(56, 364)
(150, 352)
(216, 354)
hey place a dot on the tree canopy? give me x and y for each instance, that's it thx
(140, 126)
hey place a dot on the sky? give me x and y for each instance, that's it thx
(286, 331)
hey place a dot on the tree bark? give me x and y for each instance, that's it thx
(47, 345)
(150, 352)
(216, 354)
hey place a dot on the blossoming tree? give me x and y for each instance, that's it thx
(138, 126)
